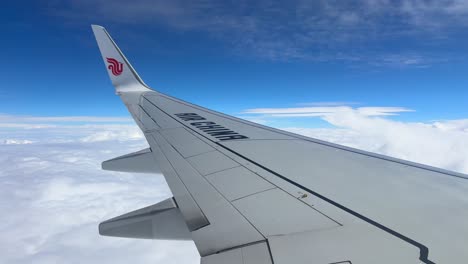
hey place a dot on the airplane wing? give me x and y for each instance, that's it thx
(248, 193)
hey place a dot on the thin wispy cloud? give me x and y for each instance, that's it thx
(8, 119)
(322, 111)
(328, 104)
(321, 30)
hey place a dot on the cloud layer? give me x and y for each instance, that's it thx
(53, 192)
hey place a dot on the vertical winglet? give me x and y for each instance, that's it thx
(123, 76)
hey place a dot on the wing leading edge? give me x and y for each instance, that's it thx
(253, 194)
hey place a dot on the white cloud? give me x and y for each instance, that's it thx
(405, 60)
(440, 143)
(54, 194)
(31, 133)
(113, 135)
(431, 13)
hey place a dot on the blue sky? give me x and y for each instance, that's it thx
(347, 63)
(232, 56)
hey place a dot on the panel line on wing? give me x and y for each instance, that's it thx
(149, 116)
(245, 196)
(209, 174)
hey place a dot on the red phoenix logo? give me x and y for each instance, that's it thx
(115, 66)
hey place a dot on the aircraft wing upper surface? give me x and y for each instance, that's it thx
(253, 194)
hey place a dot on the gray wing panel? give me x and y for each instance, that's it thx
(419, 206)
(235, 215)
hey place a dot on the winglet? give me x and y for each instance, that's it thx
(123, 76)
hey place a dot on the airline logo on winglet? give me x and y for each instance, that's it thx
(115, 66)
(209, 127)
